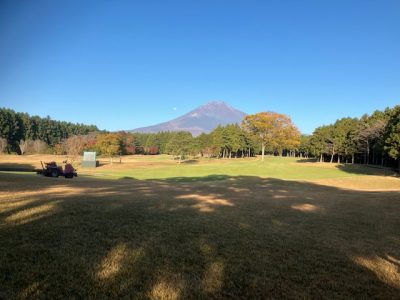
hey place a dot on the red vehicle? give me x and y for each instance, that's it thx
(51, 169)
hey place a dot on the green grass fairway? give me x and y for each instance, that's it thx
(219, 229)
(274, 167)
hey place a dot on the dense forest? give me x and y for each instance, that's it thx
(18, 127)
(371, 139)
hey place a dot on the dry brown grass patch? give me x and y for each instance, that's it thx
(242, 238)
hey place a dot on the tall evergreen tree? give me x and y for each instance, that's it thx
(392, 135)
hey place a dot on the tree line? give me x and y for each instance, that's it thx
(279, 136)
(24, 134)
(371, 139)
(230, 141)
(20, 132)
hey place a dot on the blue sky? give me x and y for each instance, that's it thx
(127, 64)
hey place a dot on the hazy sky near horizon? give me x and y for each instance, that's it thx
(127, 64)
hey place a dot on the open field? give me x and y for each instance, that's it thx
(149, 228)
(164, 167)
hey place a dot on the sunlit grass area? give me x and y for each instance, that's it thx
(282, 168)
(216, 169)
(165, 167)
(205, 229)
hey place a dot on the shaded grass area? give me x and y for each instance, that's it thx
(17, 167)
(366, 169)
(236, 237)
(189, 179)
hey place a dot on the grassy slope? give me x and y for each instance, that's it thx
(163, 167)
(243, 237)
(273, 167)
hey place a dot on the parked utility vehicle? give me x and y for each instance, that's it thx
(51, 169)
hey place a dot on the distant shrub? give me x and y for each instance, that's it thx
(152, 150)
(59, 149)
(130, 150)
(40, 147)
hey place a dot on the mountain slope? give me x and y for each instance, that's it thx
(202, 119)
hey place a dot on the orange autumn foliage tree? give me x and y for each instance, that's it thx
(109, 144)
(273, 129)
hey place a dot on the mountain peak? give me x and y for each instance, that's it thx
(205, 118)
(216, 102)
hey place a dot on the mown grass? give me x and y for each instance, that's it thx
(213, 236)
(273, 167)
(164, 167)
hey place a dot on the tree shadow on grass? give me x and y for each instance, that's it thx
(214, 177)
(183, 178)
(366, 170)
(359, 169)
(17, 167)
(190, 161)
(307, 160)
(242, 237)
